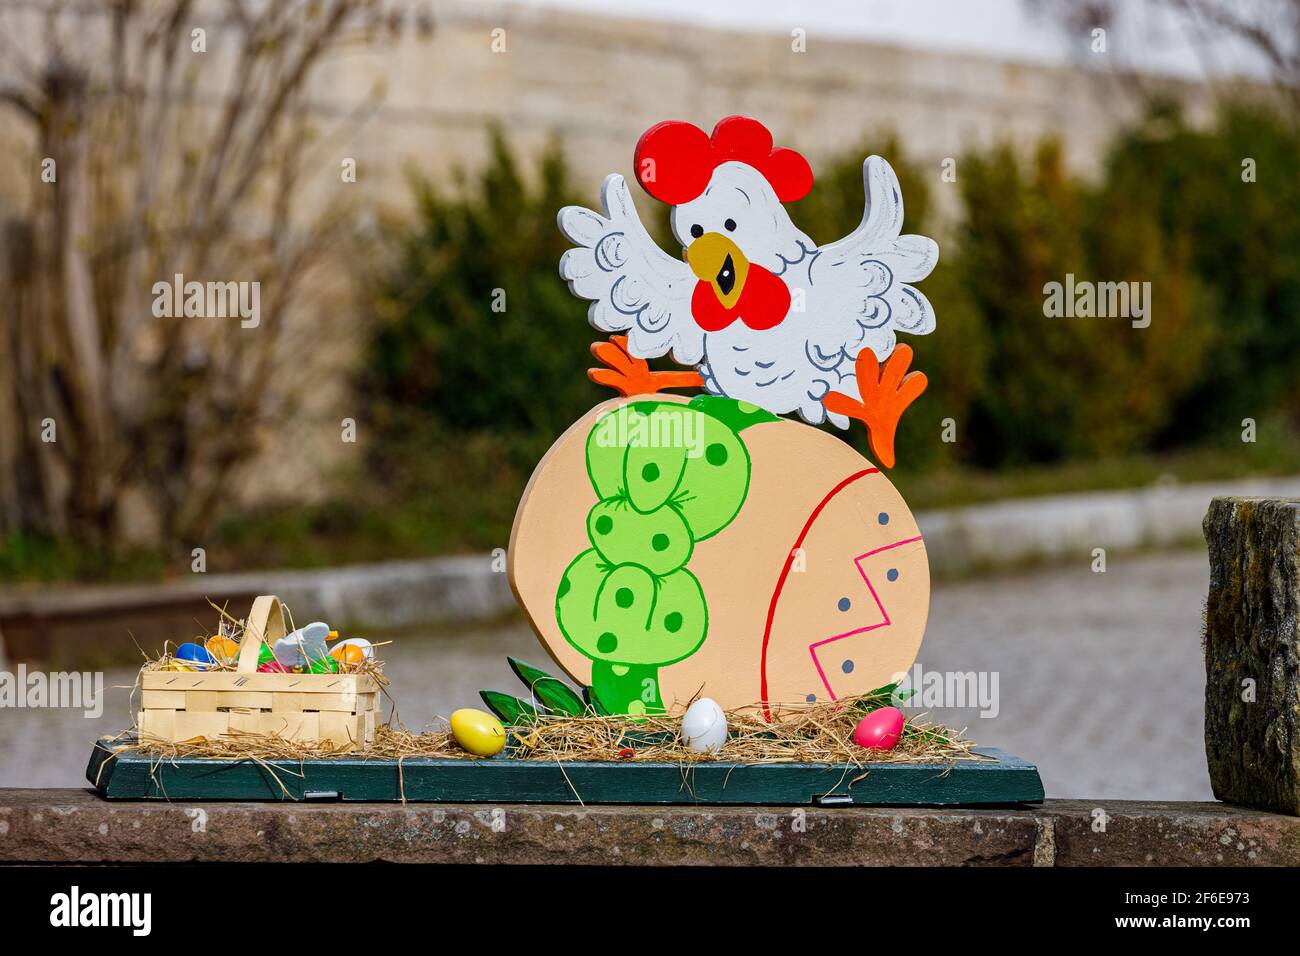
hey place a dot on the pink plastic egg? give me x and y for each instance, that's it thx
(272, 667)
(880, 729)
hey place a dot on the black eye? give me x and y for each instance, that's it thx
(697, 230)
(729, 225)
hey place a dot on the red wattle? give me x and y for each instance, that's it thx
(763, 303)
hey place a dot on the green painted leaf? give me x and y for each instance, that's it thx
(554, 694)
(715, 480)
(593, 702)
(927, 733)
(735, 414)
(659, 541)
(606, 451)
(654, 463)
(511, 710)
(625, 616)
(881, 697)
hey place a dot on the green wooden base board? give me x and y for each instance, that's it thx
(1002, 780)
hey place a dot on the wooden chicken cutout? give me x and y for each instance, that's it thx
(763, 313)
(667, 548)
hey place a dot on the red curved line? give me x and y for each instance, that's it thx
(785, 573)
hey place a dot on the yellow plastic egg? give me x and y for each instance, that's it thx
(177, 666)
(478, 732)
(222, 648)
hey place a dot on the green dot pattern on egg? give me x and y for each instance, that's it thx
(667, 475)
(658, 541)
(681, 616)
(615, 433)
(607, 450)
(639, 633)
(575, 601)
(656, 455)
(737, 415)
(714, 482)
(627, 615)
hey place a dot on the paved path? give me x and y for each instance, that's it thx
(1100, 679)
(451, 591)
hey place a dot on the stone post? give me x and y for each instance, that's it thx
(1252, 652)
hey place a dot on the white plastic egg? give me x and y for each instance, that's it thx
(704, 726)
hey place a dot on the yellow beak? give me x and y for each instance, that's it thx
(717, 260)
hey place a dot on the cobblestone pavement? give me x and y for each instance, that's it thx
(1099, 679)
(1101, 676)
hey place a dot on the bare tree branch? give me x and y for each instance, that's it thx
(150, 179)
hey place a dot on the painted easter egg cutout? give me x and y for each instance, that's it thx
(668, 549)
(805, 579)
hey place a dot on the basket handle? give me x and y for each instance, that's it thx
(265, 625)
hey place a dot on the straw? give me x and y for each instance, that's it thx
(821, 733)
(233, 629)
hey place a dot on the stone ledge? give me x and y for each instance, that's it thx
(75, 826)
(1067, 527)
(89, 626)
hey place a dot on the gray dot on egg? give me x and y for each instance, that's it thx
(811, 698)
(847, 667)
(892, 574)
(883, 518)
(844, 604)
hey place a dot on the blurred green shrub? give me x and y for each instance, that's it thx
(1019, 386)
(477, 332)
(1060, 386)
(1241, 239)
(955, 355)
(461, 398)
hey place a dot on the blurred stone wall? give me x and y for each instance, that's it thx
(599, 82)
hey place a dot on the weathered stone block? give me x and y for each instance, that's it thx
(1252, 652)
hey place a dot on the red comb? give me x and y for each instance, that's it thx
(675, 160)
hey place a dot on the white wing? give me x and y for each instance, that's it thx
(858, 294)
(633, 285)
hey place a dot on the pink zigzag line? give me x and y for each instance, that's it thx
(812, 648)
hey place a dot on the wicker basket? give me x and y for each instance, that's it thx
(339, 709)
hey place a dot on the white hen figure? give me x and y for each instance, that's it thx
(764, 314)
